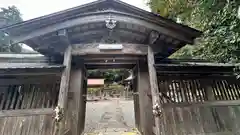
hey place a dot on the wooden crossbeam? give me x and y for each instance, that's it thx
(26, 112)
(93, 49)
(192, 72)
(173, 76)
(204, 104)
(111, 58)
(109, 66)
(29, 80)
(31, 71)
(110, 63)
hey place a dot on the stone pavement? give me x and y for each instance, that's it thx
(115, 117)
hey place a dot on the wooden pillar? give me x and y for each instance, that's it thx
(76, 104)
(63, 93)
(154, 88)
(145, 102)
(136, 98)
(84, 99)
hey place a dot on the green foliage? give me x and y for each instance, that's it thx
(219, 21)
(93, 90)
(113, 75)
(172, 8)
(115, 87)
(184, 53)
(10, 16)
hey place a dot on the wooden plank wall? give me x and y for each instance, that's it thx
(28, 96)
(209, 120)
(190, 106)
(27, 125)
(196, 90)
(28, 109)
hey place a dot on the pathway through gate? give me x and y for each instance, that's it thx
(111, 117)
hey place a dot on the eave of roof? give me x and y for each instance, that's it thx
(58, 15)
(20, 56)
(29, 69)
(4, 66)
(191, 63)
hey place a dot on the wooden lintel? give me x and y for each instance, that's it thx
(110, 63)
(120, 66)
(92, 49)
(153, 86)
(111, 58)
(26, 112)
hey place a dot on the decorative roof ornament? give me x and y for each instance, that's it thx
(111, 23)
(154, 35)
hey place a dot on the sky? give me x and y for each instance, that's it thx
(35, 8)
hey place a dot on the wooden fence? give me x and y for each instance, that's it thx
(27, 122)
(206, 106)
(28, 109)
(201, 120)
(28, 96)
(199, 90)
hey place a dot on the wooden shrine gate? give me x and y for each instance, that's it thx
(46, 95)
(192, 101)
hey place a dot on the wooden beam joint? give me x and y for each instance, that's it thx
(153, 36)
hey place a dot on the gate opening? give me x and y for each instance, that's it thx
(109, 102)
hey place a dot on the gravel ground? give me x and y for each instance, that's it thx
(116, 115)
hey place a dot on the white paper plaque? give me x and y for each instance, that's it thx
(110, 46)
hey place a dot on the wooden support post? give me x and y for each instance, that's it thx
(146, 115)
(136, 98)
(76, 107)
(84, 99)
(62, 99)
(154, 88)
(63, 93)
